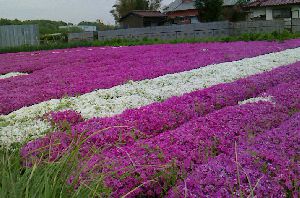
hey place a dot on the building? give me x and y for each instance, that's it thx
(142, 18)
(88, 28)
(85, 28)
(273, 9)
(184, 11)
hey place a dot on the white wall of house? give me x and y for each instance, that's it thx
(258, 12)
(268, 12)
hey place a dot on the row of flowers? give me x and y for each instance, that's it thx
(29, 62)
(27, 122)
(266, 166)
(156, 163)
(156, 118)
(54, 75)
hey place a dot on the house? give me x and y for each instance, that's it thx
(142, 18)
(85, 28)
(88, 28)
(273, 9)
(184, 11)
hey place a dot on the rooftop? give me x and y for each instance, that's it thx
(145, 13)
(179, 5)
(265, 3)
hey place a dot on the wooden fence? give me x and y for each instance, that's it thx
(17, 35)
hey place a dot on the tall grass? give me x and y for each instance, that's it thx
(125, 42)
(44, 179)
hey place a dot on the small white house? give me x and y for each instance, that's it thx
(86, 28)
(273, 9)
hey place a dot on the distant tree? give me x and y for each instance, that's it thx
(122, 7)
(209, 10)
(10, 22)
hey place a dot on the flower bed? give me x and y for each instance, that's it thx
(177, 152)
(54, 74)
(159, 117)
(267, 167)
(25, 122)
(222, 130)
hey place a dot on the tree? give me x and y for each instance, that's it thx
(237, 12)
(123, 7)
(209, 10)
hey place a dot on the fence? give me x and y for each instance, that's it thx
(252, 27)
(296, 25)
(87, 36)
(199, 30)
(17, 35)
(169, 32)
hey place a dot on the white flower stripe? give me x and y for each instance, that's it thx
(25, 122)
(12, 74)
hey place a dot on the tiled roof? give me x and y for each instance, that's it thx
(179, 5)
(265, 3)
(145, 13)
(230, 2)
(148, 13)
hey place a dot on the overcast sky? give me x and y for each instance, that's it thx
(67, 10)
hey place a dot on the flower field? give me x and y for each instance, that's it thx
(172, 120)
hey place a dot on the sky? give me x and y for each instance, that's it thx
(72, 11)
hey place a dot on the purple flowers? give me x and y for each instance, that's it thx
(54, 74)
(63, 120)
(201, 144)
(266, 166)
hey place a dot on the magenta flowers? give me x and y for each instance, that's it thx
(197, 122)
(54, 74)
(204, 135)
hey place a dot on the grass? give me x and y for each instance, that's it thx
(44, 180)
(125, 42)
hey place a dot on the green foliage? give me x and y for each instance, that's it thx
(44, 180)
(123, 7)
(209, 10)
(60, 37)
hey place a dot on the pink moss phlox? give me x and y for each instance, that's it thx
(54, 74)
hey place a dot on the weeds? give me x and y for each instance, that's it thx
(43, 180)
